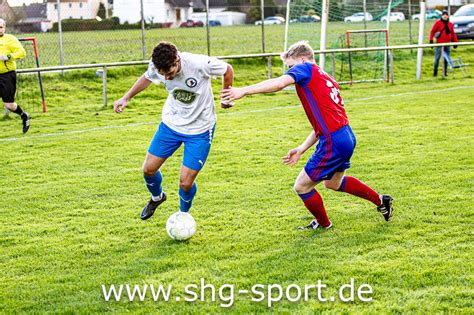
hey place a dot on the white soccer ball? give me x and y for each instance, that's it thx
(181, 226)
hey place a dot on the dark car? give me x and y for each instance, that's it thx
(214, 23)
(463, 21)
(191, 23)
(306, 19)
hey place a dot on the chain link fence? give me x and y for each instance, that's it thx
(123, 32)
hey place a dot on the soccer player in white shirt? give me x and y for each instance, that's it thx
(188, 117)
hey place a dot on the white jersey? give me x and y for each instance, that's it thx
(189, 108)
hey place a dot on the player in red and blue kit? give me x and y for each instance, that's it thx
(320, 96)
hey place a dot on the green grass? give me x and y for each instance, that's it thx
(70, 202)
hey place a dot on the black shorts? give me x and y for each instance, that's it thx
(8, 86)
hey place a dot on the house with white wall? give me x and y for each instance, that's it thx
(72, 9)
(158, 11)
(434, 3)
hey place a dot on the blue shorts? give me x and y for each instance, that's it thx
(196, 147)
(333, 154)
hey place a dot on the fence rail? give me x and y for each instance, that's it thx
(388, 49)
(243, 56)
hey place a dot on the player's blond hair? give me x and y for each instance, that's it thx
(299, 49)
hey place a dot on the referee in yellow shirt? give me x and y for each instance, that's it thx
(10, 50)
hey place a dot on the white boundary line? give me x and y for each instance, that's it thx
(225, 114)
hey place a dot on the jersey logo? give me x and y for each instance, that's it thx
(335, 93)
(184, 96)
(191, 82)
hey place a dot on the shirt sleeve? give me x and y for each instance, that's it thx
(213, 66)
(301, 73)
(151, 74)
(18, 52)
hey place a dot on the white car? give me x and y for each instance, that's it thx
(358, 17)
(394, 17)
(271, 20)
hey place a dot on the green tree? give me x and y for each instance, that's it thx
(101, 12)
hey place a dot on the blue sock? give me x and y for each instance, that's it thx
(153, 183)
(186, 198)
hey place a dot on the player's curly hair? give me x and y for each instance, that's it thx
(164, 56)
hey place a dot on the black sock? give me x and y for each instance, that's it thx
(18, 110)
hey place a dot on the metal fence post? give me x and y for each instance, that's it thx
(60, 31)
(365, 20)
(392, 70)
(143, 30)
(324, 24)
(104, 85)
(409, 22)
(287, 24)
(421, 31)
(269, 66)
(262, 17)
(208, 29)
(333, 68)
(443, 64)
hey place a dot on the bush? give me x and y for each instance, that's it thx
(78, 25)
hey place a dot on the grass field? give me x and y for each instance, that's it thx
(72, 191)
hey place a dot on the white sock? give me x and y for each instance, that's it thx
(157, 198)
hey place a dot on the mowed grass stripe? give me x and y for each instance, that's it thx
(230, 113)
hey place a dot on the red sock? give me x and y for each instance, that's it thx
(315, 205)
(353, 186)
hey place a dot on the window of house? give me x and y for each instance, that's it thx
(80, 4)
(55, 6)
(70, 5)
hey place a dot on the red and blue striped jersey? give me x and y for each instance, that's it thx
(320, 96)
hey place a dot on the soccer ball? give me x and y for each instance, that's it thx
(181, 226)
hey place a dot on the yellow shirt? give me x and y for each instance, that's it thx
(9, 45)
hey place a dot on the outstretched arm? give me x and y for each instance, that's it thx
(268, 86)
(295, 154)
(141, 84)
(227, 81)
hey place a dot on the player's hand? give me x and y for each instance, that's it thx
(120, 104)
(3, 58)
(293, 156)
(232, 94)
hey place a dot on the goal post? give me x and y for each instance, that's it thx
(367, 62)
(26, 86)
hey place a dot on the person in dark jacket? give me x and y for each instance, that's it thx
(443, 31)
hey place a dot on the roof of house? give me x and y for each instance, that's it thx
(35, 10)
(66, 1)
(197, 4)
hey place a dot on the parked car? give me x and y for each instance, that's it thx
(394, 17)
(271, 20)
(306, 19)
(430, 15)
(463, 21)
(215, 23)
(191, 23)
(358, 17)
